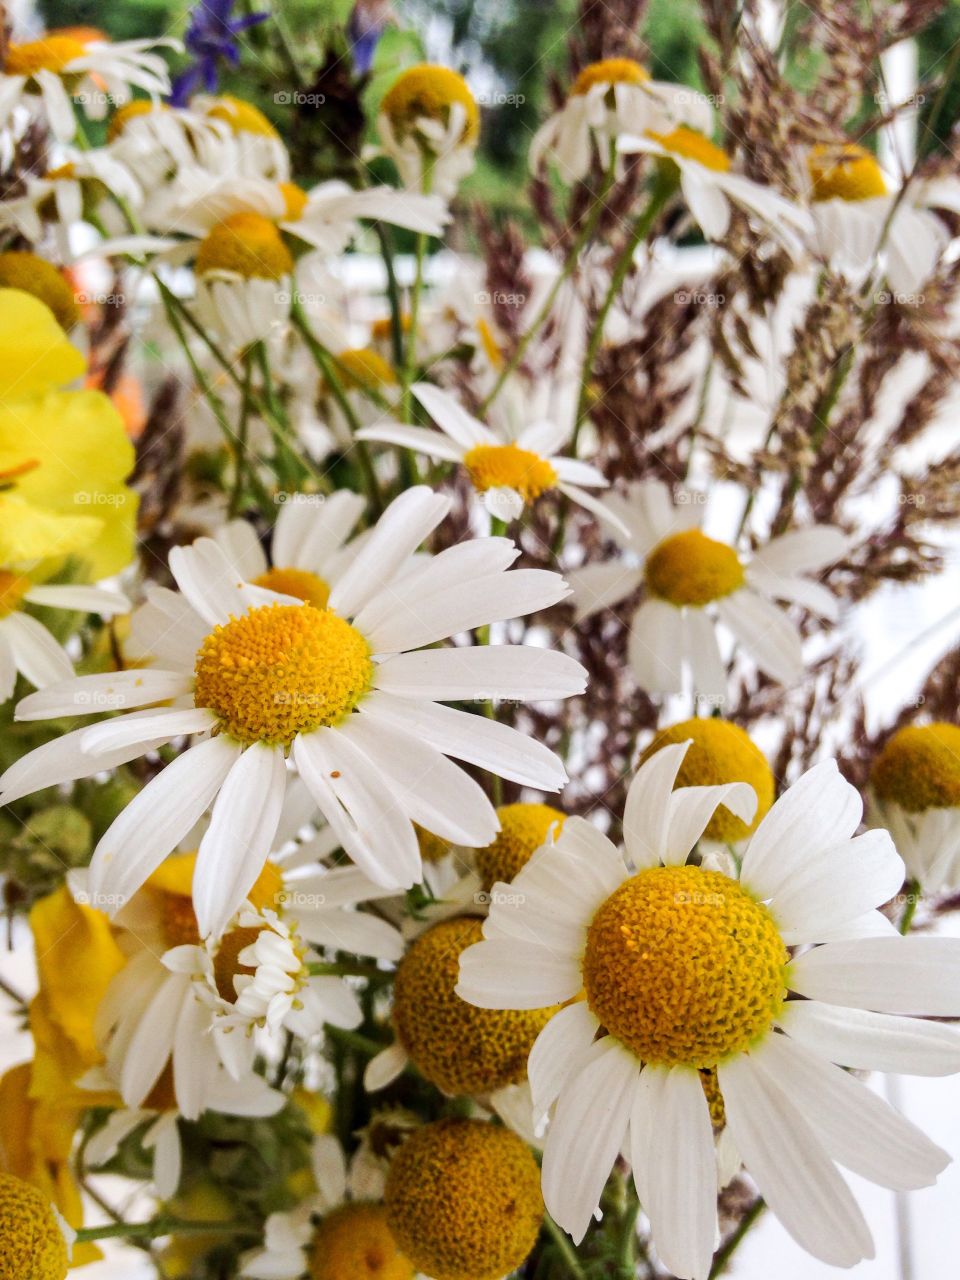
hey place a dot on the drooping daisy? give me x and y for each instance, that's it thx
(333, 1233)
(158, 142)
(859, 217)
(429, 126)
(258, 149)
(463, 1199)
(36, 1240)
(507, 470)
(54, 72)
(711, 190)
(340, 690)
(685, 1024)
(915, 794)
(609, 99)
(693, 581)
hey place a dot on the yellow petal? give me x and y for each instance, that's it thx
(35, 353)
(29, 533)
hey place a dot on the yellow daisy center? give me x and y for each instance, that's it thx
(523, 829)
(432, 848)
(458, 1047)
(294, 200)
(130, 111)
(684, 967)
(507, 466)
(281, 670)
(355, 1243)
(246, 244)
(32, 1246)
(463, 1200)
(919, 768)
(609, 71)
(52, 53)
(690, 568)
(171, 887)
(430, 91)
(27, 272)
(692, 145)
(363, 369)
(13, 587)
(306, 586)
(242, 117)
(845, 172)
(720, 752)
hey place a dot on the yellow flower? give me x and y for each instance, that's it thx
(64, 454)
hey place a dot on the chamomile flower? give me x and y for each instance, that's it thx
(342, 691)
(685, 1026)
(257, 151)
(508, 470)
(915, 794)
(335, 1234)
(463, 1199)
(711, 190)
(36, 1240)
(61, 68)
(859, 218)
(692, 582)
(429, 126)
(610, 99)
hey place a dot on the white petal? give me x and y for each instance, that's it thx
(329, 1170)
(85, 599)
(703, 655)
(36, 653)
(385, 1068)
(164, 1138)
(691, 808)
(448, 414)
(919, 975)
(598, 586)
(557, 1051)
(656, 647)
(683, 1191)
(509, 974)
(766, 634)
(433, 443)
(324, 535)
(112, 691)
(356, 932)
(803, 550)
(138, 727)
(240, 544)
(646, 815)
(209, 581)
(459, 674)
(874, 1041)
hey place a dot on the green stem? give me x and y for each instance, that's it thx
(160, 1227)
(320, 969)
(243, 431)
(628, 1243)
(587, 228)
(353, 1040)
(564, 1248)
(729, 1247)
(393, 293)
(910, 910)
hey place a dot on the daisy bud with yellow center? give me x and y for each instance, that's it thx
(247, 245)
(844, 172)
(692, 145)
(134, 110)
(463, 1200)
(32, 1243)
(34, 275)
(429, 92)
(609, 71)
(719, 752)
(355, 1242)
(242, 117)
(458, 1047)
(689, 568)
(363, 369)
(919, 768)
(507, 466)
(523, 829)
(301, 583)
(52, 53)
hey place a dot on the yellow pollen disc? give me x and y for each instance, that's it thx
(430, 91)
(355, 1243)
(720, 752)
(294, 200)
(609, 71)
(690, 568)
(52, 53)
(523, 829)
(36, 276)
(226, 962)
(432, 848)
(691, 145)
(281, 670)
(463, 1200)
(458, 1047)
(507, 466)
(844, 172)
(171, 886)
(684, 967)
(363, 369)
(13, 587)
(301, 583)
(919, 768)
(32, 1246)
(130, 111)
(242, 117)
(247, 244)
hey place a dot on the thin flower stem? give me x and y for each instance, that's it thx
(160, 1227)
(564, 1248)
(353, 1040)
(393, 293)
(410, 353)
(588, 227)
(910, 909)
(320, 968)
(243, 432)
(725, 1253)
(628, 1243)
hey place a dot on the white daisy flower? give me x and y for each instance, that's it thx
(686, 1027)
(52, 73)
(610, 99)
(429, 126)
(344, 1228)
(257, 151)
(915, 794)
(711, 190)
(508, 470)
(858, 217)
(342, 691)
(158, 1120)
(694, 582)
(26, 646)
(82, 187)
